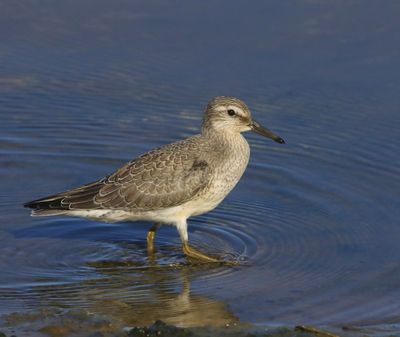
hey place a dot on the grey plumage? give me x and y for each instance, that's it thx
(165, 177)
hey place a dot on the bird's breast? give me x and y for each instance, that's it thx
(231, 168)
(227, 169)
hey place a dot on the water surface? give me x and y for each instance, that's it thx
(85, 87)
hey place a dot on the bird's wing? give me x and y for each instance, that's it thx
(165, 177)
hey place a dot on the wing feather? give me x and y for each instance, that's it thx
(162, 178)
(165, 177)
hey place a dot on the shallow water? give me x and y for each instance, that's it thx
(86, 87)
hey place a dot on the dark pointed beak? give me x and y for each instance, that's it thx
(257, 128)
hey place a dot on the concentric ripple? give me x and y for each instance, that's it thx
(85, 263)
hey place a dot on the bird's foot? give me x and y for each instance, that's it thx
(201, 257)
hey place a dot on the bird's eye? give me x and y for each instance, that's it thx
(231, 112)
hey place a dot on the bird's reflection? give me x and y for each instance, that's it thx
(139, 296)
(136, 294)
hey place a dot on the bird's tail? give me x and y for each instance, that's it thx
(61, 203)
(51, 205)
(47, 212)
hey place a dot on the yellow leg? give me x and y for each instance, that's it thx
(150, 238)
(181, 226)
(195, 254)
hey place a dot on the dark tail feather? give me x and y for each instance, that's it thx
(47, 206)
(51, 202)
(79, 198)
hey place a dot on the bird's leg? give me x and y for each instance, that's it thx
(189, 251)
(150, 238)
(195, 254)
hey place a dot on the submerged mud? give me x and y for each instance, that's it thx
(84, 323)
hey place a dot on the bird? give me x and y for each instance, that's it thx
(171, 183)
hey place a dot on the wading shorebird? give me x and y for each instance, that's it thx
(171, 183)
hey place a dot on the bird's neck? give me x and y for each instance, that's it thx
(225, 138)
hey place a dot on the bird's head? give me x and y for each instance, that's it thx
(231, 115)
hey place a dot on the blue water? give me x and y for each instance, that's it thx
(87, 86)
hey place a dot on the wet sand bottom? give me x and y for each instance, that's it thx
(83, 323)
